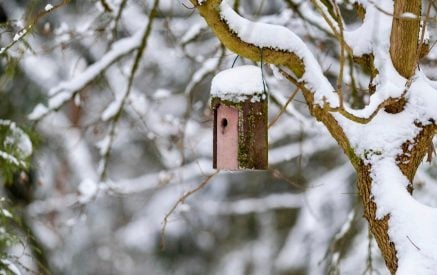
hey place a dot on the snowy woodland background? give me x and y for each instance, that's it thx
(114, 96)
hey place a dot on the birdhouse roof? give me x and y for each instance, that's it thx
(238, 83)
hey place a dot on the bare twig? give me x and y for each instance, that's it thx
(118, 18)
(182, 200)
(342, 55)
(422, 34)
(402, 17)
(284, 108)
(276, 173)
(329, 20)
(105, 6)
(26, 30)
(295, 7)
(141, 49)
(369, 266)
(342, 111)
(418, 248)
(340, 240)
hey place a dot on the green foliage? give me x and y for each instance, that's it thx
(8, 223)
(14, 232)
(11, 67)
(15, 149)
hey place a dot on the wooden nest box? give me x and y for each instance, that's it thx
(239, 102)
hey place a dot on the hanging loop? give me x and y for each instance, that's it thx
(235, 61)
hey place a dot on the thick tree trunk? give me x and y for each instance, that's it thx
(408, 162)
(379, 228)
(403, 50)
(404, 41)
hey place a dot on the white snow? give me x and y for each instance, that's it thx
(19, 34)
(66, 90)
(411, 225)
(374, 32)
(253, 205)
(103, 145)
(162, 94)
(379, 143)
(11, 159)
(77, 100)
(48, 7)
(6, 213)
(193, 32)
(281, 38)
(78, 156)
(327, 16)
(20, 140)
(236, 84)
(387, 132)
(39, 111)
(409, 15)
(314, 226)
(306, 9)
(112, 109)
(291, 151)
(208, 67)
(11, 266)
(44, 78)
(161, 179)
(261, 34)
(87, 190)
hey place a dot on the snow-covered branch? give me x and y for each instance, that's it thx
(272, 43)
(113, 111)
(65, 91)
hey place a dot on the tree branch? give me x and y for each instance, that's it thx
(182, 200)
(324, 115)
(117, 115)
(210, 10)
(404, 35)
(26, 30)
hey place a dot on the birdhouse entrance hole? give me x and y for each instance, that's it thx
(239, 101)
(224, 124)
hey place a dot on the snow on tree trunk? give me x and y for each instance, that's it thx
(387, 139)
(141, 115)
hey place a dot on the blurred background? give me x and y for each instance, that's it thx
(109, 162)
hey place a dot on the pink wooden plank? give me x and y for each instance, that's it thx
(227, 138)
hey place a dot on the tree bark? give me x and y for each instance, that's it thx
(403, 50)
(408, 162)
(230, 40)
(379, 228)
(405, 36)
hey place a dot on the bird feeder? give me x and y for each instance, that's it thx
(239, 102)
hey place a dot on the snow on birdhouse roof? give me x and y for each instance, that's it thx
(280, 38)
(238, 83)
